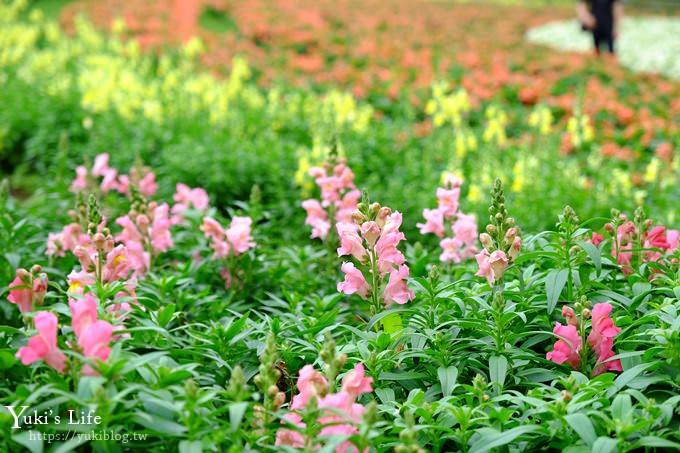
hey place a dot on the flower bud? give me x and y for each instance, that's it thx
(99, 241)
(36, 269)
(566, 396)
(383, 214)
(570, 315)
(515, 248)
(585, 314)
(371, 232)
(609, 228)
(510, 235)
(486, 241)
(490, 229)
(374, 208)
(23, 274)
(358, 217)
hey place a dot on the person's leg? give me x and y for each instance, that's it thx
(610, 43)
(596, 41)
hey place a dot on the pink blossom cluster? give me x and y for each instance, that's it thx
(185, 198)
(67, 239)
(655, 240)
(339, 198)
(464, 227)
(108, 178)
(339, 412)
(373, 244)
(93, 337)
(494, 260)
(232, 242)
(235, 240)
(145, 235)
(567, 348)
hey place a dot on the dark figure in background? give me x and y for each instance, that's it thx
(603, 19)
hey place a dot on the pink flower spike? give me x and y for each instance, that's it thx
(148, 185)
(43, 346)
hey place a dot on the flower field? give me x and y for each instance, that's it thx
(297, 226)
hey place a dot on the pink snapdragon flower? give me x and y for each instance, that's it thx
(80, 182)
(117, 265)
(339, 412)
(147, 185)
(83, 313)
(356, 382)
(463, 244)
(239, 235)
(354, 282)
(373, 243)
(568, 347)
(186, 197)
(94, 342)
(310, 383)
(317, 218)
(67, 239)
(350, 241)
(43, 346)
(434, 222)
(491, 266)
(601, 338)
(28, 289)
(448, 200)
(396, 290)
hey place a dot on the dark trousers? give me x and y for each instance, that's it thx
(601, 38)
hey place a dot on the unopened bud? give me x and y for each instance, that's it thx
(99, 240)
(486, 241)
(23, 274)
(585, 314)
(609, 228)
(374, 208)
(648, 223)
(383, 214)
(358, 217)
(490, 229)
(566, 396)
(36, 269)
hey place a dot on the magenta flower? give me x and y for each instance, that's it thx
(43, 346)
(567, 347)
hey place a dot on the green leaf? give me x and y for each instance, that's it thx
(236, 412)
(490, 438)
(7, 359)
(392, 323)
(657, 442)
(622, 407)
(624, 378)
(32, 440)
(447, 379)
(165, 315)
(554, 283)
(604, 445)
(593, 253)
(498, 368)
(188, 446)
(583, 427)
